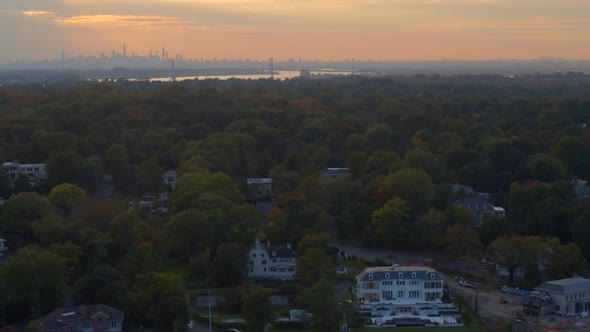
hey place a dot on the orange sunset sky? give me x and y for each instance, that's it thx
(310, 29)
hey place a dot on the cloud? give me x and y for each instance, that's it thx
(37, 13)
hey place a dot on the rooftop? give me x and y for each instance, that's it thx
(576, 284)
(379, 273)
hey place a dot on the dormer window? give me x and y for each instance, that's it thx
(370, 277)
(400, 275)
(414, 275)
(432, 276)
(386, 275)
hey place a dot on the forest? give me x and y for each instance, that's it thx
(406, 140)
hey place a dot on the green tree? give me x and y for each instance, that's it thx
(567, 260)
(20, 210)
(545, 167)
(314, 265)
(192, 231)
(461, 240)
(116, 163)
(66, 196)
(320, 299)
(508, 251)
(160, 301)
(229, 264)
(64, 166)
(23, 287)
(413, 186)
(257, 308)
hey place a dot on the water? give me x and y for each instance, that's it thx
(279, 75)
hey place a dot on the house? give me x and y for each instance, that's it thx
(569, 296)
(170, 178)
(154, 203)
(83, 318)
(401, 285)
(259, 187)
(332, 173)
(480, 205)
(268, 261)
(581, 188)
(3, 249)
(397, 295)
(36, 173)
(538, 304)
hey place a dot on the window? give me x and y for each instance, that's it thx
(400, 294)
(99, 323)
(251, 262)
(414, 275)
(401, 282)
(386, 275)
(113, 324)
(414, 282)
(261, 255)
(253, 255)
(263, 262)
(400, 275)
(370, 277)
(432, 276)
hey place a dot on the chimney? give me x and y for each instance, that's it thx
(257, 243)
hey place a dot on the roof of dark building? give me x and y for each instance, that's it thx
(63, 316)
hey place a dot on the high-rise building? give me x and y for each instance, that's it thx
(124, 50)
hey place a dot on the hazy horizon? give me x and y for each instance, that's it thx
(326, 30)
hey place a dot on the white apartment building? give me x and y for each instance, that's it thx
(36, 173)
(278, 262)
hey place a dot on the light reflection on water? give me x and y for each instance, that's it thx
(279, 75)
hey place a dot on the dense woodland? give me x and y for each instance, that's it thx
(406, 140)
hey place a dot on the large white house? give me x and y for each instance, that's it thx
(36, 173)
(569, 296)
(400, 285)
(395, 295)
(268, 261)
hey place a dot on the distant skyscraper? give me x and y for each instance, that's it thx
(63, 55)
(124, 50)
(163, 54)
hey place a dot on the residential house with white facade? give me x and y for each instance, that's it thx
(170, 178)
(36, 173)
(278, 262)
(83, 318)
(569, 296)
(480, 205)
(394, 294)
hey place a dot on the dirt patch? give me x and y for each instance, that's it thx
(492, 303)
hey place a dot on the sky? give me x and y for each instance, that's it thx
(337, 30)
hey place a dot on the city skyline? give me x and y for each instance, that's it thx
(378, 30)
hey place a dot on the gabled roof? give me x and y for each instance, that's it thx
(569, 285)
(472, 200)
(280, 252)
(275, 251)
(63, 316)
(380, 273)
